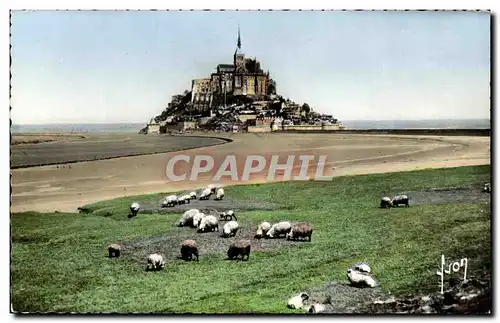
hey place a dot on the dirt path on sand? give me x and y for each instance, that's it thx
(50, 188)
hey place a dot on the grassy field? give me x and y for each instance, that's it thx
(59, 261)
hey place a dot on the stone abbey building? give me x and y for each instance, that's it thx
(243, 78)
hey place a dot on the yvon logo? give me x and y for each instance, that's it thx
(302, 167)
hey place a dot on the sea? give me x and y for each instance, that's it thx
(349, 124)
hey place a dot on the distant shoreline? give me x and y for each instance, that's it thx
(367, 125)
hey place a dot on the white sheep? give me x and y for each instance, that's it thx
(385, 202)
(228, 215)
(170, 200)
(400, 199)
(197, 219)
(212, 188)
(362, 266)
(320, 308)
(360, 279)
(192, 195)
(230, 229)
(278, 229)
(297, 302)
(208, 223)
(186, 198)
(262, 229)
(187, 217)
(155, 262)
(181, 200)
(134, 208)
(205, 194)
(220, 194)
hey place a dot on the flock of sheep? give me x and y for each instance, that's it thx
(194, 218)
(358, 274)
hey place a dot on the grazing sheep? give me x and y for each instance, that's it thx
(360, 279)
(205, 194)
(362, 266)
(184, 199)
(114, 250)
(300, 230)
(228, 215)
(192, 195)
(278, 229)
(487, 188)
(320, 308)
(400, 199)
(170, 200)
(385, 202)
(262, 229)
(134, 209)
(220, 194)
(155, 262)
(212, 188)
(230, 229)
(297, 301)
(189, 249)
(239, 248)
(208, 223)
(187, 217)
(197, 219)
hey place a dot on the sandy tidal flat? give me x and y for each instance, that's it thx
(50, 188)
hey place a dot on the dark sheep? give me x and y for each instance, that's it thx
(239, 248)
(189, 249)
(301, 230)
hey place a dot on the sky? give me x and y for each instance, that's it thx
(119, 66)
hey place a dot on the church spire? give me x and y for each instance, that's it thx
(239, 38)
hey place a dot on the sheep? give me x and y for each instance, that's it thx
(212, 188)
(155, 262)
(300, 230)
(360, 279)
(320, 308)
(239, 248)
(187, 217)
(205, 194)
(170, 200)
(297, 301)
(278, 229)
(362, 266)
(197, 219)
(230, 229)
(228, 215)
(114, 250)
(220, 194)
(487, 188)
(400, 199)
(189, 249)
(385, 202)
(262, 229)
(134, 209)
(209, 222)
(184, 199)
(192, 195)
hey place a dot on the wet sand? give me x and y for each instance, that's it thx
(51, 188)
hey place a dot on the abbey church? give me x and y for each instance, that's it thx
(243, 78)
